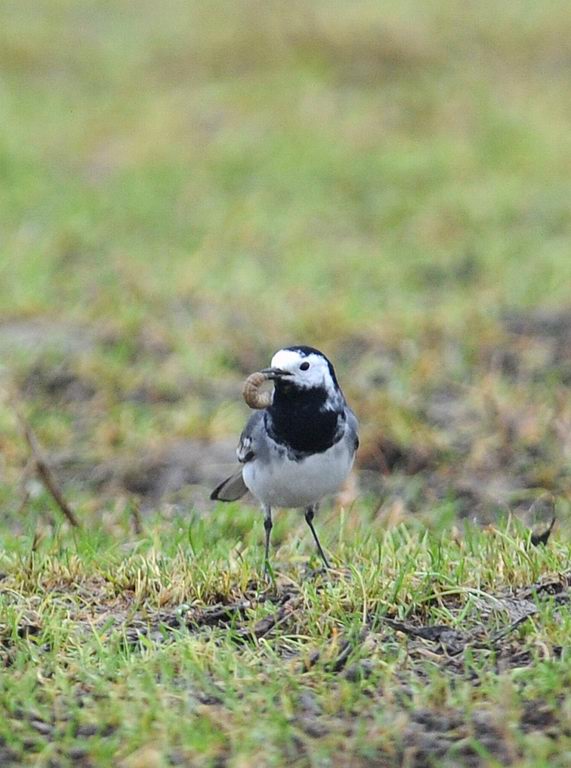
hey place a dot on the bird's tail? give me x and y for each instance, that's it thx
(231, 489)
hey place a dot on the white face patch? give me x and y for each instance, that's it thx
(314, 373)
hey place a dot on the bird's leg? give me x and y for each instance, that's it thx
(309, 515)
(268, 529)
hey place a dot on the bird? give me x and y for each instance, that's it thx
(301, 447)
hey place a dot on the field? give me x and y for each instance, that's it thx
(186, 187)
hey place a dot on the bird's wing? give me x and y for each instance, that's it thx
(251, 445)
(352, 429)
(231, 489)
(250, 439)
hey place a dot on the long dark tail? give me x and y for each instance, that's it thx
(231, 489)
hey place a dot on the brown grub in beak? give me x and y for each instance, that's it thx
(251, 390)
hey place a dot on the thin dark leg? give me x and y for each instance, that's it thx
(268, 529)
(309, 515)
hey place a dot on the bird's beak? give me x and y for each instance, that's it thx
(274, 373)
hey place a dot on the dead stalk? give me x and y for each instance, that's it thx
(40, 463)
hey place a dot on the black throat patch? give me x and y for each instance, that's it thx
(298, 420)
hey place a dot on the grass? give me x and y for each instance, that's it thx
(114, 651)
(186, 187)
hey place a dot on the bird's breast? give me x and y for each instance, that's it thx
(285, 482)
(303, 431)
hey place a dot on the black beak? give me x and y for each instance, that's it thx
(274, 373)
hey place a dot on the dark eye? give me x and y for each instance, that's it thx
(304, 366)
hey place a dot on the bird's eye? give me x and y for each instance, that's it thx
(304, 366)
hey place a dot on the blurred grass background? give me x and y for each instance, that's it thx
(186, 187)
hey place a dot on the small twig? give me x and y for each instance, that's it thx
(542, 538)
(24, 490)
(510, 628)
(345, 652)
(41, 465)
(136, 517)
(263, 627)
(23, 503)
(48, 479)
(33, 549)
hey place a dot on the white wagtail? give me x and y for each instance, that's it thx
(301, 447)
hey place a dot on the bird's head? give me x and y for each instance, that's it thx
(302, 368)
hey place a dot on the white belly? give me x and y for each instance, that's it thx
(285, 483)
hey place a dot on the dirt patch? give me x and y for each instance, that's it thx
(157, 473)
(59, 384)
(544, 323)
(433, 736)
(41, 335)
(539, 345)
(541, 716)
(388, 456)
(188, 462)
